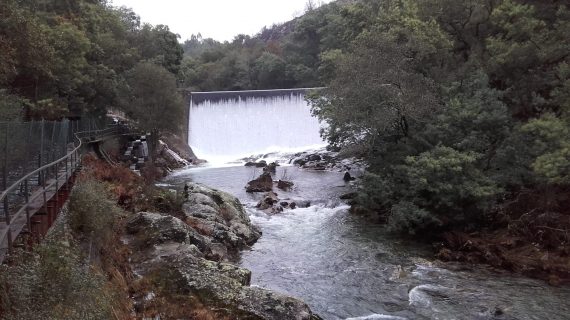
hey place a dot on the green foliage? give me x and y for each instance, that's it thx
(454, 109)
(153, 100)
(72, 57)
(550, 145)
(11, 106)
(447, 181)
(91, 213)
(53, 282)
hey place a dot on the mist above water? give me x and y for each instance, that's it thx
(225, 128)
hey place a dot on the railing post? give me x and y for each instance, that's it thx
(56, 190)
(40, 158)
(5, 160)
(51, 146)
(7, 214)
(27, 197)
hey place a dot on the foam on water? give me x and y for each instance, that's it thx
(223, 130)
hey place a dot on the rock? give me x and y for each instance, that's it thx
(315, 165)
(262, 184)
(261, 164)
(303, 203)
(154, 229)
(284, 185)
(269, 199)
(284, 204)
(271, 168)
(250, 164)
(347, 177)
(292, 205)
(314, 157)
(270, 204)
(299, 162)
(226, 287)
(220, 216)
(175, 258)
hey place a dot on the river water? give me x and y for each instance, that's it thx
(346, 267)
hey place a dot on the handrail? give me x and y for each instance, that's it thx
(49, 165)
(73, 156)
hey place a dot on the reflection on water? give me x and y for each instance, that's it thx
(345, 267)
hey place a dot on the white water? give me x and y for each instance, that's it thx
(227, 130)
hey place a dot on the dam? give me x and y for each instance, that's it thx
(226, 126)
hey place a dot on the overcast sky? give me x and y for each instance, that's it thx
(218, 19)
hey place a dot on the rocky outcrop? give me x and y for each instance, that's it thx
(328, 160)
(284, 185)
(180, 146)
(271, 168)
(223, 286)
(271, 204)
(218, 215)
(182, 257)
(259, 164)
(263, 183)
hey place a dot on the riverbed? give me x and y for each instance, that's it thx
(346, 267)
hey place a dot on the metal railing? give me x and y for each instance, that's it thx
(32, 192)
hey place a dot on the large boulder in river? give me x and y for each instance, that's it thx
(219, 215)
(262, 184)
(225, 287)
(166, 254)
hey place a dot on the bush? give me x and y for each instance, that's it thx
(91, 212)
(53, 283)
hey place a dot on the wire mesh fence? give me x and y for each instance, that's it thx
(37, 159)
(26, 146)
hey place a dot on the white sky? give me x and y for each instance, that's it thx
(218, 19)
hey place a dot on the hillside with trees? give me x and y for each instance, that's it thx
(71, 58)
(461, 108)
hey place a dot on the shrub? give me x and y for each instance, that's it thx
(53, 283)
(91, 212)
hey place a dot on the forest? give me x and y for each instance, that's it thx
(461, 109)
(71, 58)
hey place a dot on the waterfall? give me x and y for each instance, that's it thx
(230, 125)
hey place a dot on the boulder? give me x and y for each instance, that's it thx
(284, 185)
(347, 177)
(261, 164)
(271, 168)
(262, 184)
(219, 215)
(154, 229)
(225, 287)
(314, 157)
(315, 165)
(269, 199)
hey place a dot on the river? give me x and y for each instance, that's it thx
(346, 267)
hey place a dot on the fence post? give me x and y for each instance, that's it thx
(5, 160)
(40, 158)
(51, 146)
(27, 197)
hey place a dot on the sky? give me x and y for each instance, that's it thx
(218, 19)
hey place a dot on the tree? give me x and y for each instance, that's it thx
(153, 100)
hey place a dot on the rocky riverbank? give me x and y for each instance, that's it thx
(186, 256)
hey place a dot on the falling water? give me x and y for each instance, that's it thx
(226, 126)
